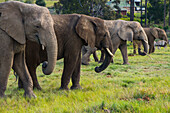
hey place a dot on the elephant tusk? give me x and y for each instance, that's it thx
(110, 53)
(42, 47)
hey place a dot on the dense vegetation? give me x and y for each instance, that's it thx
(142, 86)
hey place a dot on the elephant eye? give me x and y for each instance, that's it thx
(37, 26)
(105, 35)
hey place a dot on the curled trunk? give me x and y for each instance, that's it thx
(145, 45)
(52, 49)
(106, 62)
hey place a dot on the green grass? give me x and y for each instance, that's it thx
(143, 86)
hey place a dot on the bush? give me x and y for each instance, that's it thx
(40, 2)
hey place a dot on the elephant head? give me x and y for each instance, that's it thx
(95, 34)
(134, 31)
(30, 22)
(159, 34)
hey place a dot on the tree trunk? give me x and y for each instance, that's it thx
(141, 11)
(164, 12)
(131, 10)
(169, 12)
(146, 12)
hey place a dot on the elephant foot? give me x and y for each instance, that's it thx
(64, 88)
(30, 95)
(37, 87)
(126, 63)
(100, 61)
(84, 63)
(76, 87)
(96, 60)
(2, 95)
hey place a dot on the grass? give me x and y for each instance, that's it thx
(143, 86)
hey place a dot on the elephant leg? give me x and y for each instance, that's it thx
(151, 48)
(134, 47)
(95, 56)
(21, 70)
(20, 83)
(102, 56)
(70, 61)
(85, 59)
(6, 60)
(76, 75)
(123, 49)
(32, 70)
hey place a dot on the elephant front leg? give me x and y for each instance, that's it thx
(95, 57)
(70, 61)
(32, 70)
(102, 56)
(123, 49)
(76, 75)
(22, 71)
(5, 67)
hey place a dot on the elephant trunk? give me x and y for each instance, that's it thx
(106, 62)
(52, 50)
(145, 45)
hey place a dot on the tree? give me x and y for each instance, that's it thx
(169, 12)
(141, 11)
(96, 8)
(40, 2)
(155, 9)
(164, 12)
(131, 10)
(146, 12)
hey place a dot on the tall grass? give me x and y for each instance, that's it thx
(142, 86)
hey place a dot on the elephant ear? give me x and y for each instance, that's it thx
(126, 33)
(11, 22)
(85, 28)
(154, 32)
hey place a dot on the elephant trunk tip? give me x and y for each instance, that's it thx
(44, 66)
(97, 69)
(141, 53)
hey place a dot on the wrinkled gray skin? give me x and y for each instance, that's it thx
(152, 34)
(122, 31)
(20, 22)
(72, 31)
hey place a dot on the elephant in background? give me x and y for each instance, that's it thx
(160, 43)
(121, 31)
(152, 34)
(19, 23)
(72, 31)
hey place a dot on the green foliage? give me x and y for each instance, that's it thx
(135, 19)
(40, 2)
(155, 10)
(96, 8)
(141, 87)
(29, 1)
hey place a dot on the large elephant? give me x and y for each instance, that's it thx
(121, 31)
(152, 34)
(20, 22)
(72, 31)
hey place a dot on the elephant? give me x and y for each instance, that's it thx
(160, 43)
(121, 31)
(152, 34)
(19, 23)
(72, 31)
